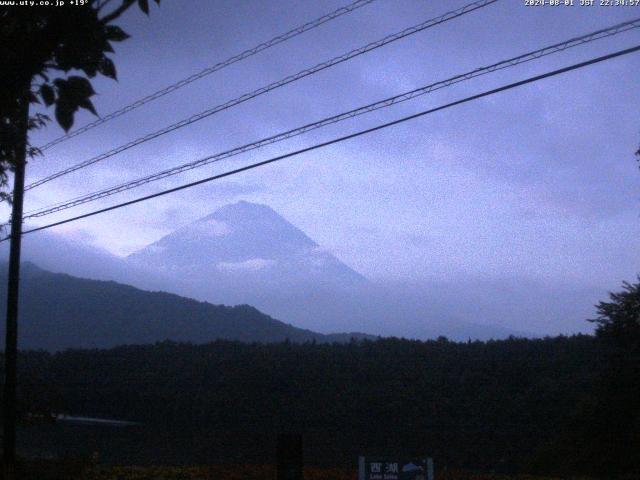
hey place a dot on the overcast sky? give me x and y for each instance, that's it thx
(539, 182)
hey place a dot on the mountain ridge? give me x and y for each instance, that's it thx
(289, 288)
(60, 311)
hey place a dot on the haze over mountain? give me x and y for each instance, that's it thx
(58, 311)
(525, 220)
(246, 253)
(246, 242)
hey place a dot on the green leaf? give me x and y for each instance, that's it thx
(80, 86)
(87, 105)
(64, 115)
(144, 6)
(107, 68)
(90, 69)
(115, 33)
(73, 93)
(47, 94)
(38, 121)
(106, 46)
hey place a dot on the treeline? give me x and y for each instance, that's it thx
(498, 405)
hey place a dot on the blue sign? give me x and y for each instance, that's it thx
(387, 468)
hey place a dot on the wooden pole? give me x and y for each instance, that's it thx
(13, 290)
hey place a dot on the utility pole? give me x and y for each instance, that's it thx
(13, 290)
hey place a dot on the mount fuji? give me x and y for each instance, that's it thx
(247, 242)
(246, 253)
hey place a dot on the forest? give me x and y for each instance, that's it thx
(516, 405)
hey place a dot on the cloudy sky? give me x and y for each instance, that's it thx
(539, 182)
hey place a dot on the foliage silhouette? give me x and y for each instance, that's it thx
(482, 405)
(39, 48)
(602, 434)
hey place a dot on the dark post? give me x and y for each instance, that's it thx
(289, 466)
(13, 288)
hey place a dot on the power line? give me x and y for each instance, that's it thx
(214, 68)
(343, 138)
(272, 86)
(536, 54)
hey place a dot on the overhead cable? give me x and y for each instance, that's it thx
(209, 70)
(387, 102)
(272, 86)
(340, 139)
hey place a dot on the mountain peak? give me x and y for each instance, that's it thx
(256, 219)
(244, 208)
(248, 240)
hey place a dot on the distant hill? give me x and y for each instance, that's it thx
(248, 254)
(59, 311)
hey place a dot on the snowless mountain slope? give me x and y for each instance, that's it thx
(247, 245)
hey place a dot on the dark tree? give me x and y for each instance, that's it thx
(615, 418)
(618, 321)
(39, 48)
